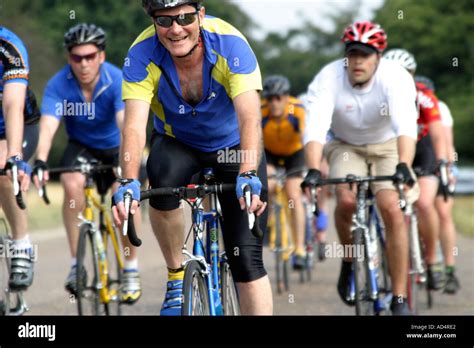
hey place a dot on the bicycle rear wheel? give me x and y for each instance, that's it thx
(195, 291)
(306, 274)
(230, 299)
(88, 297)
(363, 301)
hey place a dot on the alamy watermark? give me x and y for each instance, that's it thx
(9, 251)
(237, 156)
(37, 331)
(76, 109)
(336, 250)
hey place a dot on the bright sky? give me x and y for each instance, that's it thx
(278, 15)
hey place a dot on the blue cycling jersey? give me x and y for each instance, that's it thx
(230, 68)
(91, 124)
(14, 65)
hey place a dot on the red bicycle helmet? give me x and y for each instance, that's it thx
(366, 33)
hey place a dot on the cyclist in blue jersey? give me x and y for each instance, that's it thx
(201, 79)
(86, 94)
(18, 138)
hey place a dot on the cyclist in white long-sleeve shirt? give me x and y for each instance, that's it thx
(369, 105)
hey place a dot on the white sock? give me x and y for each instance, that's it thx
(73, 261)
(22, 244)
(131, 264)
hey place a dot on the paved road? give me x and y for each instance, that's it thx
(47, 296)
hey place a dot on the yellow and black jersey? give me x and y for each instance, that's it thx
(284, 136)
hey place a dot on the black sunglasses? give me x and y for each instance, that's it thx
(88, 57)
(182, 19)
(272, 97)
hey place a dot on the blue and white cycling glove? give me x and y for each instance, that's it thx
(248, 178)
(131, 186)
(20, 164)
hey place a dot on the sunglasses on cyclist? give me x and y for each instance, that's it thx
(88, 57)
(182, 19)
(271, 97)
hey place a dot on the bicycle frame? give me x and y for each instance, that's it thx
(366, 208)
(415, 246)
(417, 270)
(106, 226)
(280, 215)
(207, 255)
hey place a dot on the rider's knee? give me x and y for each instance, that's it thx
(425, 205)
(346, 202)
(73, 185)
(392, 212)
(246, 263)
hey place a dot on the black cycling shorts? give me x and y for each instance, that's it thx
(174, 164)
(424, 163)
(30, 140)
(106, 178)
(293, 164)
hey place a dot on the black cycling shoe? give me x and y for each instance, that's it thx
(435, 277)
(344, 283)
(21, 271)
(399, 306)
(452, 284)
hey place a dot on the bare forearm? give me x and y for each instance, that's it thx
(13, 107)
(438, 139)
(133, 137)
(48, 128)
(448, 131)
(133, 143)
(247, 106)
(250, 144)
(14, 132)
(313, 154)
(406, 149)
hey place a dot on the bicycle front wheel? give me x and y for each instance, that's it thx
(4, 273)
(363, 301)
(278, 250)
(114, 274)
(195, 290)
(88, 297)
(230, 299)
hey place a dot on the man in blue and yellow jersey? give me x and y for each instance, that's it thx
(201, 79)
(283, 126)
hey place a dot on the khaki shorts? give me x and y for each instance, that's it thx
(347, 159)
